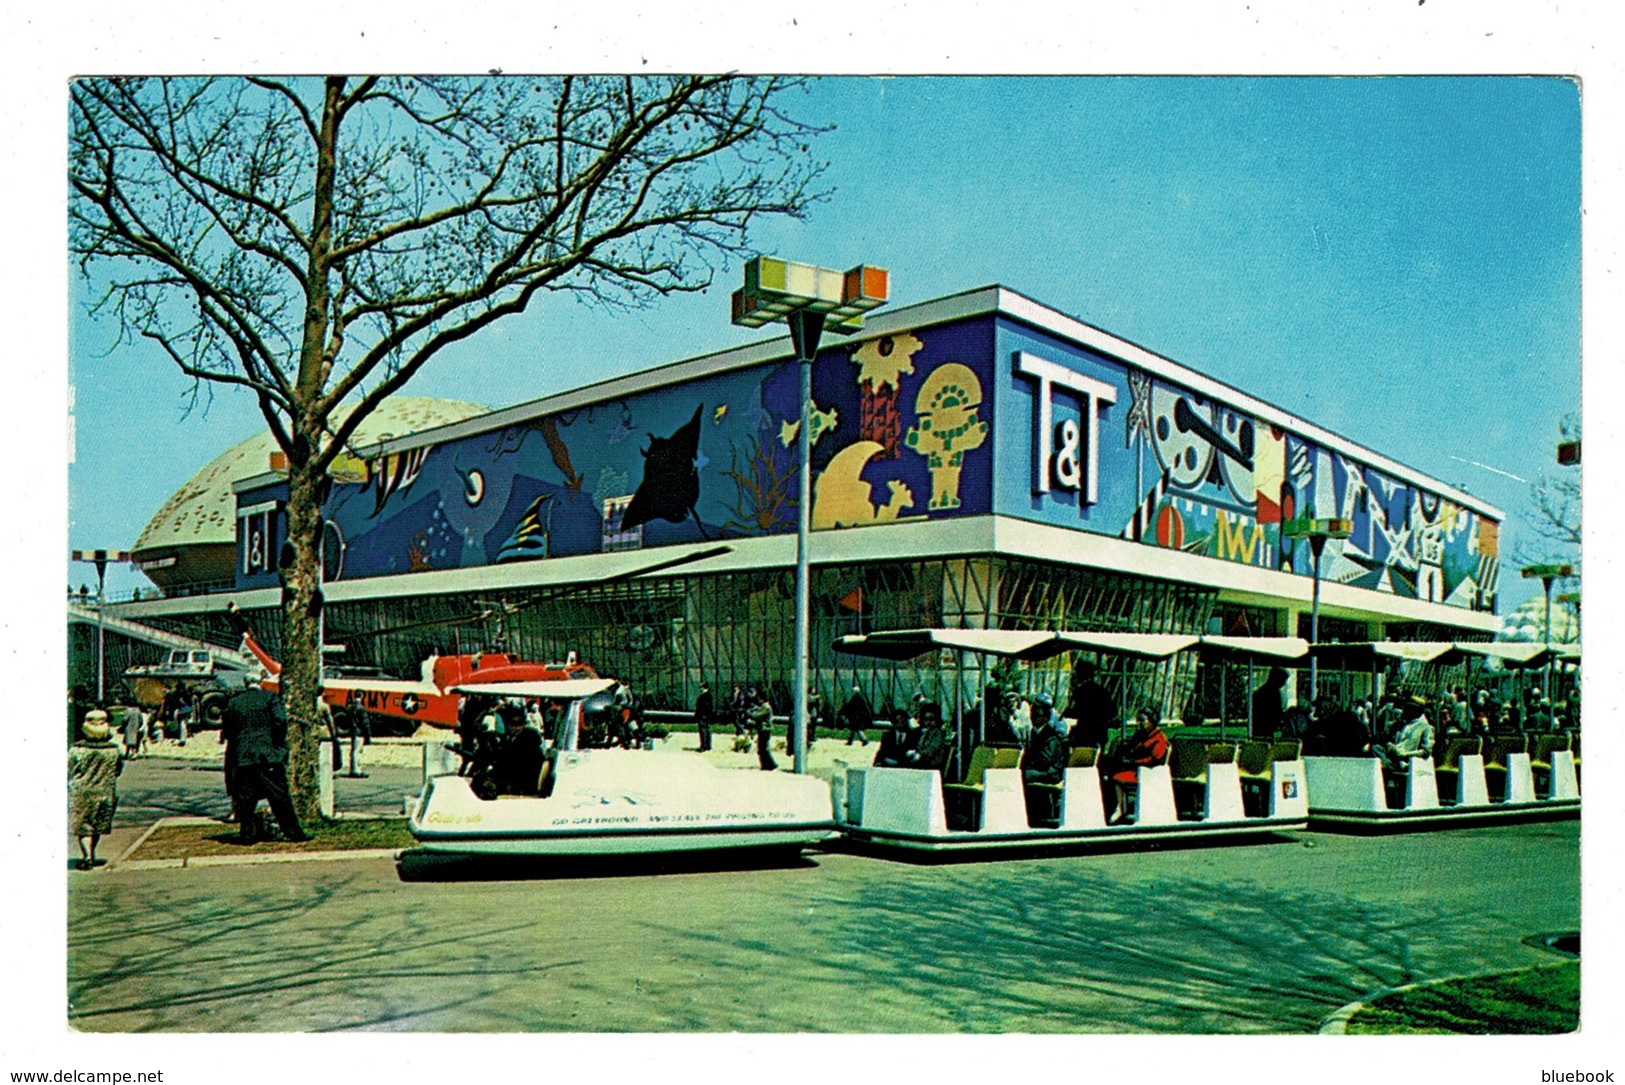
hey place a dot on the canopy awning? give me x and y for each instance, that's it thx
(1510, 653)
(1267, 649)
(1137, 645)
(1362, 655)
(563, 689)
(1024, 644)
(1033, 645)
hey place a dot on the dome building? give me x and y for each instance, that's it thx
(190, 544)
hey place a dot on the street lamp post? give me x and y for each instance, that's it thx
(100, 558)
(1317, 532)
(1547, 574)
(810, 300)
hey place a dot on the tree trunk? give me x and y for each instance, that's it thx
(301, 637)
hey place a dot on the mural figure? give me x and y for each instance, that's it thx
(763, 477)
(530, 537)
(822, 422)
(842, 499)
(948, 428)
(881, 365)
(560, 452)
(396, 471)
(671, 481)
(1196, 446)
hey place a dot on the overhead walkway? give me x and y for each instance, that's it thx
(124, 627)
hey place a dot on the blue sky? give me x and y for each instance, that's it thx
(1397, 259)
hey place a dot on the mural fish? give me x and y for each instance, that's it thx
(529, 538)
(396, 471)
(671, 483)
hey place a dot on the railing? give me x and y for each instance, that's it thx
(142, 595)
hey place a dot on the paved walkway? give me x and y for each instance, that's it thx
(1261, 938)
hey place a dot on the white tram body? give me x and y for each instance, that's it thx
(906, 808)
(1358, 792)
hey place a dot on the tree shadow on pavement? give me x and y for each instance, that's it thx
(1065, 950)
(260, 963)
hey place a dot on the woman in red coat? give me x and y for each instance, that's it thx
(1148, 745)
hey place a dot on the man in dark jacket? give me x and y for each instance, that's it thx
(1043, 763)
(856, 717)
(704, 712)
(255, 730)
(1091, 705)
(1269, 705)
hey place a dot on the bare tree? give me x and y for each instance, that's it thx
(1554, 503)
(318, 241)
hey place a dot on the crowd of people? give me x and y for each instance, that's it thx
(1405, 724)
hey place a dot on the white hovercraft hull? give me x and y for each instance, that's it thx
(623, 802)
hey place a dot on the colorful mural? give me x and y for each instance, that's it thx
(898, 433)
(904, 427)
(1203, 477)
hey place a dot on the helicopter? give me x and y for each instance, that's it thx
(435, 697)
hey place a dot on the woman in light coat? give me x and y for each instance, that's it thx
(94, 763)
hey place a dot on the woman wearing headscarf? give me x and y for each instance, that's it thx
(94, 763)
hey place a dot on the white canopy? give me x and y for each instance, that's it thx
(1032, 645)
(1363, 654)
(1139, 645)
(1267, 648)
(563, 689)
(1508, 652)
(900, 644)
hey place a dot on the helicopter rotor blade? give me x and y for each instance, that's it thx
(498, 608)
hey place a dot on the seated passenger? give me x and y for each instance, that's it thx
(1337, 732)
(1092, 706)
(1043, 763)
(1043, 760)
(522, 761)
(934, 747)
(899, 746)
(1148, 745)
(1413, 739)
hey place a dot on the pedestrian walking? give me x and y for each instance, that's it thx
(857, 717)
(738, 707)
(135, 730)
(704, 711)
(761, 716)
(255, 729)
(94, 763)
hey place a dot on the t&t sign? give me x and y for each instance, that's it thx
(1065, 456)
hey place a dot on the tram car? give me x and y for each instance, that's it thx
(1205, 790)
(1472, 779)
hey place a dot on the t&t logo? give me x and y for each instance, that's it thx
(1066, 456)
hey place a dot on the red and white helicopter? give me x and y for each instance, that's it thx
(435, 696)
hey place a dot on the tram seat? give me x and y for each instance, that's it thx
(1540, 757)
(1188, 765)
(964, 800)
(1496, 754)
(1286, 749)
(1447, 763)
(1253, 761)
(1541, 749)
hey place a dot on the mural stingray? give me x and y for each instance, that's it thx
(671, 482)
